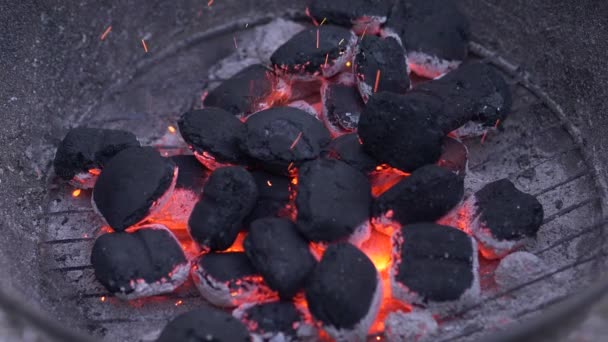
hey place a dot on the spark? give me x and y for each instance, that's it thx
(236, 46)
(483, 137)
(171, 129)
(95, 172)
(364, 31)
(102, 299)
(106, 32)
(377, 81)
(497, 123)
(317, 38)
(180, 302)
(349, 64)
(294, 181)
(341, 41)
(210, 2)
(269, 183)
(314, 21)
(295, 142)
(143, 42)
(323, 22)
(76, 193)
(326, 60)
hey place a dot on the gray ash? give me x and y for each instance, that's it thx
(344, 292)
(133, 184)
(426, 195)
(333, 200)
(280, 254)
(205, 324)
(280, 136)
(342, 106)
(146, 262)
(401, 130)
(348, 149)
(306, 56)
(84, 149)
(215, 131)
(242, 93)
(434, 264)
(273, 196)
(381, 62)
(227, 199)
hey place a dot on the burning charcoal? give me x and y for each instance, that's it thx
(434, 33)
(273, 196)
(280, 254)
(518, 268)
(434, 266)
(229, 280)
(342, 106)
(280, 136)
(205, 324)
(192, 175)
(454, 156)
(401, 131)
(85, 151)
(381, 65)
(144, 263)
(134, 184)
(344, 292)
(320, 50)
(475, 91)
(243, 93)
(426, 195)
(413, 326)
(362, 15)
(275, 321)
(228, 197)
(347, 148)
(213, 134)
(501, 218)
(333, 202)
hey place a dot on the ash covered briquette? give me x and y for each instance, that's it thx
(342, 107)
(519, 268)
(228, 197)
(425, 196)
(192, 175)
(381, 65)
(319, 50)
(134, 184)
(205, 324)
(275, 321)
(273, 196)
(401, 130)
(434, 266)
(454, 156)
(243, 92)
(144, 263)
(215, 134)
(435, 34)
(229, 280)
(280, 254)
(348, 149)
(344, 292)
(474, 92)
(361, 15)
(503, 218)
(85, 151)
(413, 326)
(280, 136)
(333, 202)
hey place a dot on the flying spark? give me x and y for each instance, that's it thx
(106, 32)
(209, 3)
(171, 129)
(377, 81)
(295, 142)
(317, 38)
(76, 193)
(323, 22)
(143, 42)
(235, 44)
(269, 183)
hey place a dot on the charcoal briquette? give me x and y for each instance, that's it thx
(84, 149)
(228, 197)
(274, 194)
(280, 136)
(205, 324)
(342, 107)
(454, 156)
(344, 292)
(358, 14)
(348, 149)
(192, 175)
(333, 201)
(275, 321)
(134, 184)
(280, 254)
(143, 263)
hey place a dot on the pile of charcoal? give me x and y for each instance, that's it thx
(351, 132)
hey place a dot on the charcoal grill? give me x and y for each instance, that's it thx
(50, 287)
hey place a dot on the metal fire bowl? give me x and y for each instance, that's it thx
(57, 73)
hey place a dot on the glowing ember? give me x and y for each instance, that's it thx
(76, 193)
(106, 32)
(171, 129)
(143, 42)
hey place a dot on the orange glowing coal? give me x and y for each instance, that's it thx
(384, 178)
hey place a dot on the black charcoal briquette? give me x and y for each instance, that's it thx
(243, 92)
(144, 263)
(275, 321)
(342, 107)
(280, 254)
(228, 197)
(85, 149)
(192, 175)
(362, 15)
(135, 183)
(454, 156)
(281, 137)
(348, 149)
(274, 194)
(401, 130)
(333, 202)
(205, 324)
(344, 292)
